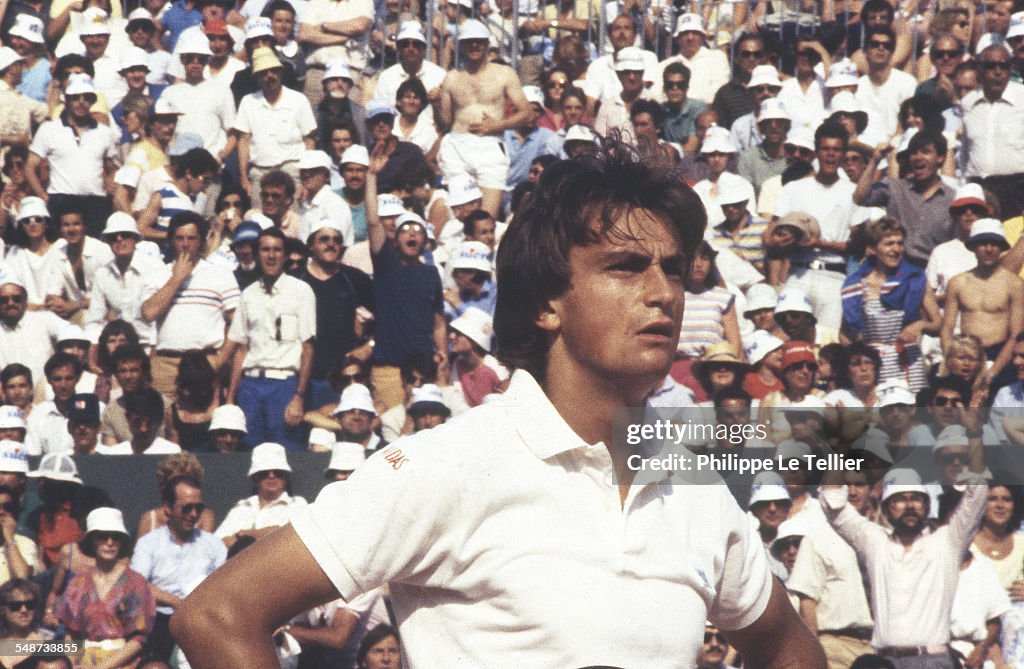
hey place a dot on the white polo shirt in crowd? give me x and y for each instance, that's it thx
(274, 324)
(209, 111)
(108, 79)
(832, 205)
(911, 589)
(31, 341)
(76, 161)
(805, 108)
(993, 132)
(95, 254)
(120, 296)
(160, 446)
(709, 71)
(199, 313)
(247, 514)
(47, 430)
(505, 544)
(277, 130)
(602, 82)
(980, 597)
(390, 79)
(327, 204)
(354, 52)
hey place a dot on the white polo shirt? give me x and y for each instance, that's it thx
(274, 324)
(993, 132)
(160, 446)
(327, 204)
(354, 52)
(120, 296)
(76, 161)
(31, 341)
(209, 111)
(248, 515)
(277, 130)
(390, 79)
(199, 313)
(505, 545)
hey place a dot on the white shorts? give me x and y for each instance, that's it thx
(483, 158)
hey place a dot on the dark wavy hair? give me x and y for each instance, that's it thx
(372, 638)
(578, 203)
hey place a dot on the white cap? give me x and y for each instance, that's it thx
(761, 296)
(268, 456)
(355, 396)
(772, 108)
(761, 344)
(428, 397)
(94, 22)
(794, 299)
(28, 27)
(732, 191)
(80, 83)
(800, 136)
(764, 75)
(140, 14)
(166, 107)
(346, 456)
(991, 39)
(893, 392)
(873, 441)
(411, 30)
(105, 519)
(787, 450)
(794, 527)
(259, 26)
(462, 189)
(357, 154)
(8, 57)
(228, 417)
(901, 480)
(473, 29)
(314, 159)
(767, 487)
(472, 255)
(717, 140)
(534, 95)
(389, 205)
(580, 133)
(325, 223)
(32, 206)
(630, 59)
(12, 457)
(120, 221)
(952, 436)
(57, 467)
(477, 325)
(71, 332)
(689, 22)
(11, 418)
(409, 217)
(987, 228)
(969, 193)
(1016, 25)
(842, 73)
(194, 42)
(845, 102)
(338, 69)
(7, 276)
(131, 57)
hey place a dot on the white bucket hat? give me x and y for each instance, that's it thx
(761, 296)
(689, 22)
(105, 519)
(772, 108)
(534, 95)
(794, 299)
(355, 396)
(131, 57)
(630, 59)
(472, 255)
(8, 57)
(12, 457)
(842, 73)
(473, 29)
(580, 133)
(764, 75)
(195, 43)
(120, 221)
(389, 205)
(346, 456)
(71, 332)
(761, 344)
(80, 83)
(901, 480)
(894, 392)
(768, 487)
(228, 417)
(338, 69)
(411, 30)
(94, 22)
(32, 206)
(477, 325)
(428, 398)
(268, 456)
(717, 140)
(28, 27)
(258, 26)
(356, 154)
(462, 189)
(57, 467)
(875, 442)
(314, 159)
(11, 418)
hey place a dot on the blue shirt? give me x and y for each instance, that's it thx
(177, 568)
(407, 299)
(34, 81)
(176, 20)
(486, 301)
(523, 152)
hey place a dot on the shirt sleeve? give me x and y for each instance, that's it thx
(745, 581)
(306, 120)
(40, 145)
(809, 572)
(307, 314)
(238, 332)
(241, 120)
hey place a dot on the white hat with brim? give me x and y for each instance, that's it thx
(477, 325)
(463, 189)
(630, 59)
(1016, 25)
(32, 206)
(472, 255)
(356, 154)
(121, 222)
(580, 133)
(843, 73)
(901, 480)
(968, 194)
(428, 399)
(228, 417)
(355, 396)
(338, 69)
(314, 159)
(689, 22)
(325, 224)
(794, 299)
(761, 296)
(717, 140)
(987, 230)
(787, 450)
(140, 14)
(10, 277)
(80, 83)
(772, 108)
(29, 28)
(133, 57)
(768, 487)
(953, 436)
(94, 22)
(259, 26)
(534, 95)
(57, 467)
(194, 43)
(473, 29)
(13, 459)
(105, 519)
(389, 205)
(11, 418)
(411, 30)
(794, 527)
(761, 344)
(992, 39)
(734, 191)
(269, 456)
(845, 103)
(802, 137)
(410, 218)
(346, 456)
(894, 392)
(70, 332)
(8, 57)
(185, 142)
(764, 75)
(379, 107)
(166, 107)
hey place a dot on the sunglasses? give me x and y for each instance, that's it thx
(118, 236)
(995, 65)
(407, 43)
(941, 54)
(9, 507)
(33, 219)
(188, 58)
(963, 24)
(559, 84)
(880, 44)
(764, 89)
(266, 474)
(785, 544)
(960, 211)
(75, 97)
(718, 636)
(810, 54)
(189, 509)
(675, 86)
(12, 299)
(948, 401)
(950, 458)
(329, 239)
(800, 366)
(751, 54)
(360, 378)
(20, 605)
(104, 537)
(270, 195)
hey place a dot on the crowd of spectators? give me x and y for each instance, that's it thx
(270, 226)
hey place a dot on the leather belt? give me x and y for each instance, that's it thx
(913, 651)
(862, 633)
(275, 374)
(827, 266)
(210, 350)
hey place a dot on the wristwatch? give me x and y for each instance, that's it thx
(554, 24)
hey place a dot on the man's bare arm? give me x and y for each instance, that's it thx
(779, 639)
(208, 626)
(951, 312)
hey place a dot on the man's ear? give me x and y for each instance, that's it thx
(547, 318)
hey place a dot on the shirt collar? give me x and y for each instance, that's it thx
(538, 423)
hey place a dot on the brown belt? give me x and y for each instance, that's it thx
(177, 354)
(862, 633)
(913, 651)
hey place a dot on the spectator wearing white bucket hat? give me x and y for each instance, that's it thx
(472, 273)
(346, 456)
(766, 158)
(21, 113)
(709, 68)
(271, 506)
(477, 371)
(428, 408)
(25, 36)
(764, 85)
(741, 231)
(412, 46)
(318, 200)
(718, 150)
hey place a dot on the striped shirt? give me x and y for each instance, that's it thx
(703, 320)
(747, 243)
(198, 316)
(172, 201)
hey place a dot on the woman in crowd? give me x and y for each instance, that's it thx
(999, 538)
(336, 142)
(196, 396)
(34, 251)
(719, 368)
(380, 649)
(885, 304)
(20, 619)
(764, 353)
(232, 203)
(856, 378)
(114, 335)
(411, 124)
(110, 607)
(179, 464)
(556, 82)
(965, 357)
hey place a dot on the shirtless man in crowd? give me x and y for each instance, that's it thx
(989, 300)
(472, 112)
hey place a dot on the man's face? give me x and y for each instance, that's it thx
(78, 104)
(337, 88)
(877, 19)
(129, 375)
(572, 111)
(327, 246)
(163, 127)
(995, 71)
(925, 163)
(786, 551)
(622, 33)
(632, 81)
(749, 54)
(858, 493)
(83, 434)
(140, 35)
(946, 52)
(854, 162)
(63, 380)
(72, 228)
(411, 240)
(793, 322)
(356, 423)
(474, 50)
(354, 175)
(270, 80)
(12, 434)
(282, 22)
(997, 17)
(733, 411)
(381, 127)
(675, 86)
(690, 42)
(952, 461)
(644, 126)
(271, 256)
(274, 201)
(763, 319)
(806, 58)
(187, 241)
(717, 161)
(341, 139)
(220, 45)
(12, 303)
(763, 92)
(715, 647)
(484, 232)
(830, 154)
(799, 377)
(945, 407)
(188, 506)
(879, 50)
(271, 484)
(794, 153)
(465, 281)
(636, 271)
(18, 391)
(143, 428)
(907, 512)
(774, 130)
(135, 77)
(196, 183)
(896, 418)
(313, 180)
(95, 45)
(806, 426)
(425, 420)
(463, 210)
(987, 252)
(771, 513)
(21, 46)
(194, 64)
(410, 53)
(122, 245)
(226, 441)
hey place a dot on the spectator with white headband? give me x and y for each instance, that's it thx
(709, 68)
(764, 85)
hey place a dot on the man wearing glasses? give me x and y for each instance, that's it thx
(993, 131)
(28, 337)
(709, 67)
(883, 89)
(946, 53)
(412, 47)
(172, 558)
(681, 111)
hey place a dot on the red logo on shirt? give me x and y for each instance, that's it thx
(395, 457)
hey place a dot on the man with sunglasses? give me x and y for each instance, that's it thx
(681, 111)
(28, 337)
(140, 29)
(883, 89)
(804, 95)
(993, 131)
(412, 47)
(714, 651)
(734, 99)
(946, 53)
(709, 68)
(173, 557)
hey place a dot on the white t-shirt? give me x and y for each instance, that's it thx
(832, 205)
(882, 103)
(160, 446)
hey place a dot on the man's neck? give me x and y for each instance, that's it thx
(140, 444)
(806, 78)
(80, 122)
(474, 68)
(74, 251)
(992, 95)
(983, 272)
(353, 196)
(194, 81)
(412, 69)
(774, 150)
(272, 95)
(927, 186)
(123, 263)
(217, 62)
(826, 179)
(322, 270)
(177, 538)
(880, 74)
